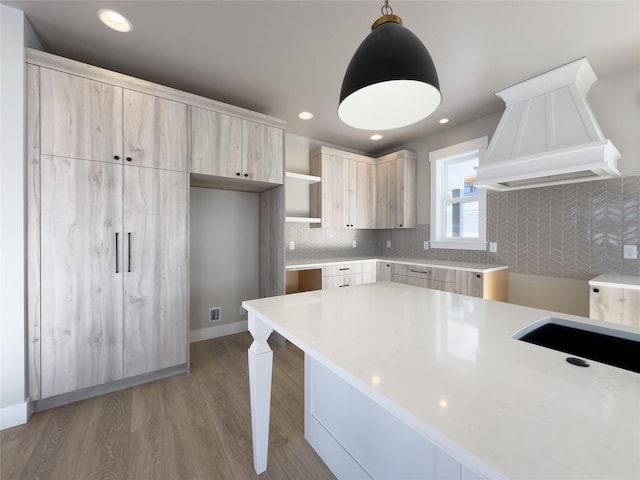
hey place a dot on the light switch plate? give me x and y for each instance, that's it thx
(493, 247)
(292, 245)
(630, 252)
(426, 245)
(353, 244)
(388, 243)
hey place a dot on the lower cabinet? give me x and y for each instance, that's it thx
(359, 439)
(616, 303)
(491, 285)
(347, 274)
(113, 284)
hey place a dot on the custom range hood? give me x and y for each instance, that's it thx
(548, 134)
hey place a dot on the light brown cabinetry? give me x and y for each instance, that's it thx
(362, 192)
(81, 275)
(616, 302)
(396, 190)
(226, 146)
(91, 120)
(345, 196)
(490, 285)
(113, 282)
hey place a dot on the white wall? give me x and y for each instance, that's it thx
(13, 401)
(223, 259)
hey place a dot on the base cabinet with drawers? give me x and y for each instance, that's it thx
(481, 283)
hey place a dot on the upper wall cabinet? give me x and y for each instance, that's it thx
(345, 197)
(227, 146)
(396, 190)
(361, 192)
(93, 120)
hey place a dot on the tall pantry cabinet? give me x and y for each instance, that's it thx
(107, 230)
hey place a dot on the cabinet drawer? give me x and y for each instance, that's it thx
(424, 283)
(345, 280)
(421, 271)
(341, 269)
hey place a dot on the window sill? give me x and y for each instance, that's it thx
(458, 244)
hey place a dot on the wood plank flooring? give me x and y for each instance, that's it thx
(193, 426)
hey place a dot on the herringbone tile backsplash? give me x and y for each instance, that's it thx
(573, 231)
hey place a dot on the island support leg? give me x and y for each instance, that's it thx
(260, 368)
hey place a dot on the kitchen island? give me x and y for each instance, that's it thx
(444, 369)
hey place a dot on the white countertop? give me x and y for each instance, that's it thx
(447, 365)
(616, 280)
(320, 262)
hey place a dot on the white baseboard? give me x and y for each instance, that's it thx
(216, 331)
(14, 415)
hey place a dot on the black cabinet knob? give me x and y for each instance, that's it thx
(478, 275)
(129, 159)
(116, 157)
(400, 224)
(596, 290)
(237, 174)
(246, 175)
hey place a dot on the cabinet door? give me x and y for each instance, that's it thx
(335, 192)
(262, 153)
(155, 131)
(469, 283)
(338, 281)
(81, 278)
(385, 188)
(80, 118)
(216, 143)
(362, 198)
(615, 305)
(403, 189)
(155, 266)
(383, 272)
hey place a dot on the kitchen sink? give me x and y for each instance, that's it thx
(614, 347)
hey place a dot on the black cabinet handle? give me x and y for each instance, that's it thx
(341, 269)
(116, 157)
(117, 269)
(129, 159)
(419, 271)
(129, 252)
(340, 286)
(596, 290)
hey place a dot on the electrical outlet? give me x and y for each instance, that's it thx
(292, 245)
(493, 247)
(214, 314)
(353, 243)
(388, 243)
(425, 245)
(630, 252)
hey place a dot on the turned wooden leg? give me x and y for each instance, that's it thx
(260, 367)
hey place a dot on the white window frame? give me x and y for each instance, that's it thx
(438, 159)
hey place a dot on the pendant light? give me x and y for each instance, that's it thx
(391, 81)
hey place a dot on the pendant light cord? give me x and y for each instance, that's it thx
(386, 9)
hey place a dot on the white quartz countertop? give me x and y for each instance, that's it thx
(320, 262)
(447, 365)
(616, 280)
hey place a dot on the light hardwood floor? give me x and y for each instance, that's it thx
(193, 426)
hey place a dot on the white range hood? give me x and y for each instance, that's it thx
(548, 134)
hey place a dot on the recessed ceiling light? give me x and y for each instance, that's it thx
(114, 20)
(376, 136)
(305, 115)
(443, 120)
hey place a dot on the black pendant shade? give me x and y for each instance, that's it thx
(391, 80)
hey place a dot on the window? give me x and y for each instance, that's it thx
(458, 206)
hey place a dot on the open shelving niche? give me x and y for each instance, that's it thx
(308, 179)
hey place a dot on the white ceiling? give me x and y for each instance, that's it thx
(282, 57)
